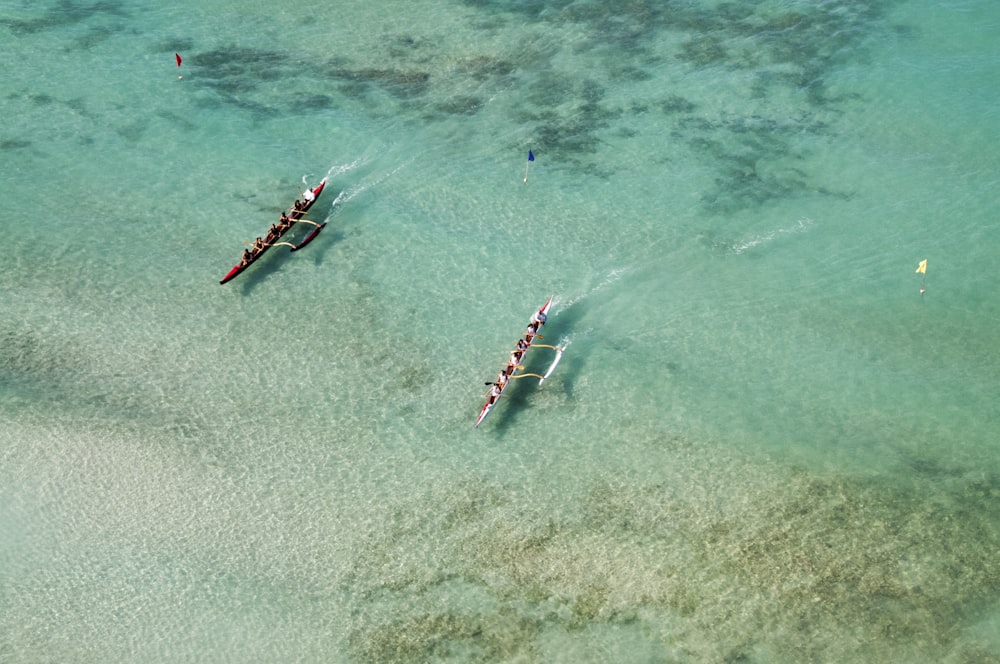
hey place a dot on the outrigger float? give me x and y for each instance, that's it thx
(294, 216)
(498, 388)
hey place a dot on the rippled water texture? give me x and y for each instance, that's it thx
(764, 442)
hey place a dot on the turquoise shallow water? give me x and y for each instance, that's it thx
(762, 444)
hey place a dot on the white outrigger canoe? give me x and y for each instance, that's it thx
(492, 402)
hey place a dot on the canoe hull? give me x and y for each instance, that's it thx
(488, 407)
(294, 216)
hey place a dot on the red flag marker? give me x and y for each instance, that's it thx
(179, 60)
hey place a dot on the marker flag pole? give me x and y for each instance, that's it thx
(922, 270)
(531, 158)
(177, 56)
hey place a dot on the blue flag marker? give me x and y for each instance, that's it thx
(531, 158)
(531, 155)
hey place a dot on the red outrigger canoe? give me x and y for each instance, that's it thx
(295, 215)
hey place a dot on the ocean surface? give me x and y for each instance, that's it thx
(770, 439)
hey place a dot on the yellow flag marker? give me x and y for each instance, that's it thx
(922, 269)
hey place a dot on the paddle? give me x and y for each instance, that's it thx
(534, 345)
(273, 244)
(489, 392)
(493, 382)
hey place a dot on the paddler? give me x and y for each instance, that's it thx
(247, 257)
(272, 234)
(515, 359)
(494, 395)
(532, 331)
(309, 196)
